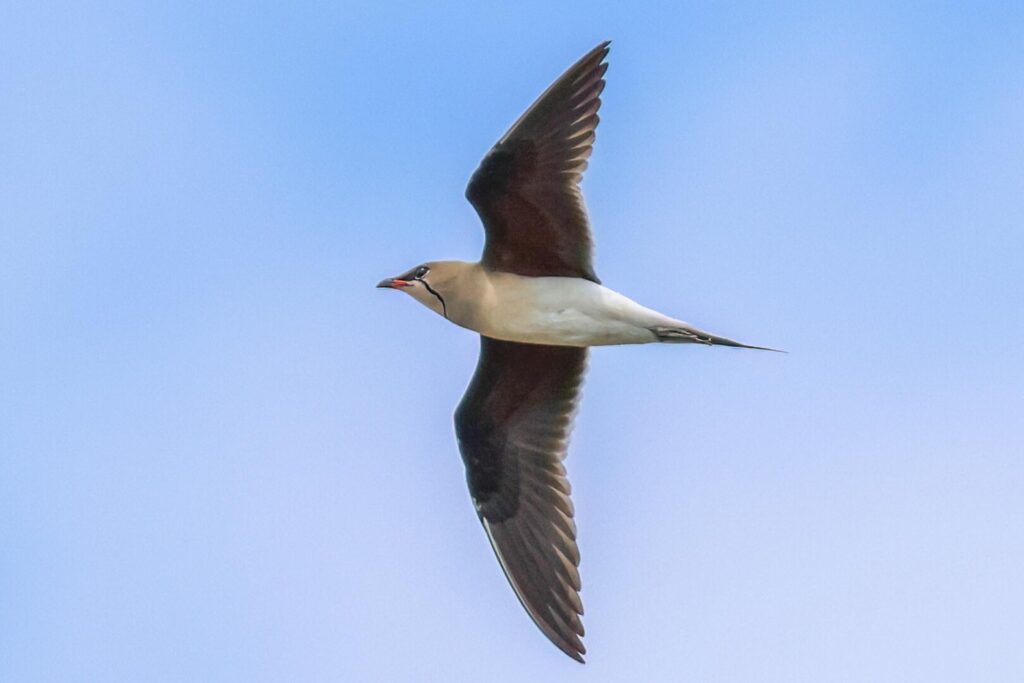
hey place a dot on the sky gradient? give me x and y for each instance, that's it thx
(225, 457)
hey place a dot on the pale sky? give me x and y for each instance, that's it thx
(224, 456)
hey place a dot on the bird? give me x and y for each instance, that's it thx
(537, 305)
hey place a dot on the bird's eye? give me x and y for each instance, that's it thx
(421, 272)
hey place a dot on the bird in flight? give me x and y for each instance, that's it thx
(537, 305)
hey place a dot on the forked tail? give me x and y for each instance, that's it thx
(684, 334)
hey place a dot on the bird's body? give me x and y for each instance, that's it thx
(537, 305)
(562, 311)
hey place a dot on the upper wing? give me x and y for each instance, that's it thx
(513, 428)
(526, 189)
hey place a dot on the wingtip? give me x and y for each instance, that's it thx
(601, 49)
(572, 647)
(574, 650)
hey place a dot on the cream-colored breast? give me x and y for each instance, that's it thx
(551, 310)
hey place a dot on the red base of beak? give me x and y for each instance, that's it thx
(393, 283)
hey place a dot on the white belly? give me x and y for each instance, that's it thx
(562, 311)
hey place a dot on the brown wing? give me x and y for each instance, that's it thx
(526, 189)
(513, 428)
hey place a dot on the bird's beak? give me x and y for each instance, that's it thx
(393, 283)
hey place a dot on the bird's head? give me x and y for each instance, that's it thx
(428, 283)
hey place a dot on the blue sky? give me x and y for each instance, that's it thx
(225, 457)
